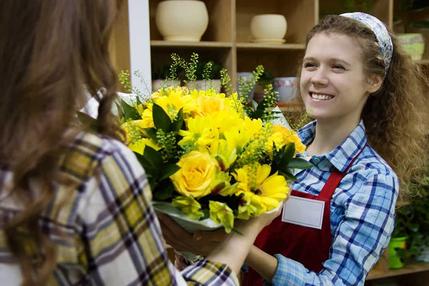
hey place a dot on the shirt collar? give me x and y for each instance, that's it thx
(342, 155)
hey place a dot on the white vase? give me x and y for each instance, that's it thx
(287, 89)
(205, 84)
(182, 20)
(163, 83)
(268, 28)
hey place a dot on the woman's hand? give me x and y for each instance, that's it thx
(201, 242)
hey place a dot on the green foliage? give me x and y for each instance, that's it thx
(124, 80)
(225, 81)
(176, 65)
(191, 67)
(412, 219)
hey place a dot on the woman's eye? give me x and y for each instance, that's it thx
(309, 65)
(338, 67)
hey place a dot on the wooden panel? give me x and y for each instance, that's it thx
(278, 63)
(220, 21)
(119, 46)
(300, 16)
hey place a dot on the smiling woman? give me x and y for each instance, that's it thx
(367, 99)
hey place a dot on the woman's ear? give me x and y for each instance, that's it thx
(374, 83)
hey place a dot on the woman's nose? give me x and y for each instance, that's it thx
(319, 77)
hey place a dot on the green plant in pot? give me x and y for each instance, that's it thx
(161, 77)
(412, 221)
(418, 230)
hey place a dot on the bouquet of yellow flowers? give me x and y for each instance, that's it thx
(206, 159)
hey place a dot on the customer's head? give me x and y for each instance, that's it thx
(51, 51)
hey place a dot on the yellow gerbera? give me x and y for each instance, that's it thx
(259, 189)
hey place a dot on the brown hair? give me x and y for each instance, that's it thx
(50, 52)
(395, 116)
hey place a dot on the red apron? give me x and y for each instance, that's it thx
(310, 246)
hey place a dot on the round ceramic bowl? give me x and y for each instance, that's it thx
(268, 27)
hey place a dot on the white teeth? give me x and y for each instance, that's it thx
(319, 96)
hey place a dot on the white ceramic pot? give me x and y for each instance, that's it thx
(286, 87)
(163, 83)
(268, 27)
(182, 20)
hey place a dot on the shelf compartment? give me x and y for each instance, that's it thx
(160, 55)
(280, 63)
(221, 21)
(301, 15)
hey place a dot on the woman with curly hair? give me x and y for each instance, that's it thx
(367, 141)
(75, 205)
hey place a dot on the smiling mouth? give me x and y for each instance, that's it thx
(321, 96)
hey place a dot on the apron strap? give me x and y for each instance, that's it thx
(335, 179)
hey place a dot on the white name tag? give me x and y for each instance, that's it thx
(303, 211)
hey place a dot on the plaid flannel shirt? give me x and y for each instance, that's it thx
(362, 212)
(103, 225)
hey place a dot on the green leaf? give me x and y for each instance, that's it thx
(178, 121)
(160, 118)
(169, 170)
(298, 163)
(289, 151)
(151, 133)
(151, 170)
(288, 176)
(164, 191)
(128, 112)
(153, 156)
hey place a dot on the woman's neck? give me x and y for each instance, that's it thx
(328, 135)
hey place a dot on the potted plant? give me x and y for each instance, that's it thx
(161, 78)
(202, 75)
(412, 222)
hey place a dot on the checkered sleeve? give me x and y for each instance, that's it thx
(122, 238)
(358, 242)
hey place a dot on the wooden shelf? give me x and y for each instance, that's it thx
(202, 44)
(408, 269)
(245, 45)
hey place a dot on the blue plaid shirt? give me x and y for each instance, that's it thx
(362, 212)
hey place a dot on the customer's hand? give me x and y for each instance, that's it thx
(201, 242)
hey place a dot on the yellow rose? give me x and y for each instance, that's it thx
(197, 176)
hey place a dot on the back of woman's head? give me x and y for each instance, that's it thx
(395, 115)
(51, 51)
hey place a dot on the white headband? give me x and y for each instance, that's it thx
(380, 32)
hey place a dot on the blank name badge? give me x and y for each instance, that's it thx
(304, 212)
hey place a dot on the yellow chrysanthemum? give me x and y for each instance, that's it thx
(224, 151)
(132, 130)
(173, 99)
(281, 136)
(139, 145)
